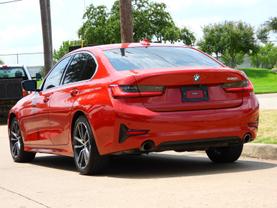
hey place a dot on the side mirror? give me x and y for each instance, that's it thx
(29, 85)
(38, 76)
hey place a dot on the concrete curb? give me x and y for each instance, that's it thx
(261, 151)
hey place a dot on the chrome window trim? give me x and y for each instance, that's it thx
(42, 86)
(62, 79)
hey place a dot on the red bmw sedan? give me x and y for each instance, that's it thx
(134, 98)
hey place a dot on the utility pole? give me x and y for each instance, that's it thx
(126, 21)
(46, 34)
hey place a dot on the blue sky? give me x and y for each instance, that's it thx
(21, 30)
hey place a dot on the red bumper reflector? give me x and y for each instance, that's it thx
(133, 132)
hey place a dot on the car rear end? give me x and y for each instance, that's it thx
(189, 102)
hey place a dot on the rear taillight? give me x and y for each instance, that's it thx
(240, 86)
(136, 91)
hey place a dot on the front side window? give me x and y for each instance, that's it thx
(81, 68)
(54, 78)
(142, 58)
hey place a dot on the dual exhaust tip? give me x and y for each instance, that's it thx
(147, 146)
(247, 138)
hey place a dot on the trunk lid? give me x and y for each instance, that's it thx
(190, 89)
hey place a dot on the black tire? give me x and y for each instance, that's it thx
(225, 154)
(17, 144)
(87, 159)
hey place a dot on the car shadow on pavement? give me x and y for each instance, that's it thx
(158, 166)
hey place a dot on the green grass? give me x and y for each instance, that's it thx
(267, 132)
(264, 80)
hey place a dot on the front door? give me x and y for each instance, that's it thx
(34, 120)
(36, 123)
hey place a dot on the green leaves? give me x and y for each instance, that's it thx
(264, 30)
(64, 49)
(151, 20)
(266, 57)
(187, 37)
(272, 24)
(229, 40)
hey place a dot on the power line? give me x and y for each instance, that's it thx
(7, 2)
(26, 53)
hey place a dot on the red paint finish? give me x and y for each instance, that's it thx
(158, 113)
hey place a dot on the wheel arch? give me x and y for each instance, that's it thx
(75, 116)
(10, 118)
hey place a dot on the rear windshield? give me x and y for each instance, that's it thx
(157, 57)
(12, 72)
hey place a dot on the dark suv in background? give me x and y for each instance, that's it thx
(10, 87)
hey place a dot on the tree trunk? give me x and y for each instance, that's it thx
(217, 56)
(126, 22)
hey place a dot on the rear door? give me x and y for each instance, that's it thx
(74, 84)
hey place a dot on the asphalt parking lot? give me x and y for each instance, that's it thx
(157, 180)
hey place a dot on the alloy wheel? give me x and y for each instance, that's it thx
(15, 139)
(82, 145)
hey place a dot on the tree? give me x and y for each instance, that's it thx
(1, 62)
(161, 23)
(266, 57)
(262, 34)
(272, 24)
(94, 29)
(150, 19)
(231, 40)
(266, 28)
(187, 37)
(64, 49)
(213, 39)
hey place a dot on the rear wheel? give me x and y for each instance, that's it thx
(86, 156)
(17, 145)
(225, 154)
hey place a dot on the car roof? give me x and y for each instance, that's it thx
(126, 45)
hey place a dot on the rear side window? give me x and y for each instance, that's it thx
(12, 72)
(55, 76)
(81, 68)
(157, 57)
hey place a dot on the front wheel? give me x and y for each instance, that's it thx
(17, 145)
(225, 154)
(86, 156)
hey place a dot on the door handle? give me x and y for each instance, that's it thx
(45, 99)
(74, 92)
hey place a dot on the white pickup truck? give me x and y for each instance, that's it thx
(11, 77)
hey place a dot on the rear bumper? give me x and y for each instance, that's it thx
(178, 130)
(199, 144)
